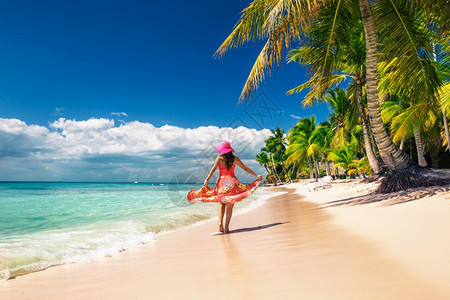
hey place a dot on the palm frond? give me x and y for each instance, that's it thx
(436, 14)
(390, 109)
(413, 117)
(444, 97)
(303, 11)
(318, 86)
(280, 38)
(249, 26)
(406, 50)
(323, 49)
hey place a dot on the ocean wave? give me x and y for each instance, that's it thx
(26, 252)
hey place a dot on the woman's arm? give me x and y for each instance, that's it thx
(213, 169)
(245, 168)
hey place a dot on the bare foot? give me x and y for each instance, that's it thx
(221, 228)
(226, 230)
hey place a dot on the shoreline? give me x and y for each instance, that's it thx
(287, 247)
(262, 196)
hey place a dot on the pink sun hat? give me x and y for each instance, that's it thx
(224, 147)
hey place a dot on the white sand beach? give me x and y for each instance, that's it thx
(337, 243)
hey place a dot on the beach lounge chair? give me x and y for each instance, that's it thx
(324, 183)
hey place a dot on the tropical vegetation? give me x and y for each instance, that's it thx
(394, 54)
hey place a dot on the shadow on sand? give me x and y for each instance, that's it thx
(392, 198)
(246, 229)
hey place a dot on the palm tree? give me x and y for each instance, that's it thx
(444, 94)
(408, 120)
(343, 116)
(273, 164)
(300, 140)
(391, 108)
(263, 160)
(322, 139)
(362, 166)
(344, 157)
(282, 22)
(350, 61)
(276, 144)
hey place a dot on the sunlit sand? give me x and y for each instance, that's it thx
(321, 244)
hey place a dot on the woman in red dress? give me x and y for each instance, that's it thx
(228, 190)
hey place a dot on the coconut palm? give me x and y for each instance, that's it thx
(276, 144)
(444, 101)
(343, 116)
(263, 160)
(417, 120)
(281, 22)
(300, 140)
(344, 157)
(271, 163)
(362, 166)
(391, 108)
(443, 67)
(323, 137)
(350, 63)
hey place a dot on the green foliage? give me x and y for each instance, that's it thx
(331, 39)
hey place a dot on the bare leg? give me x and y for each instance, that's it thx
(228, 216)
(221, 213)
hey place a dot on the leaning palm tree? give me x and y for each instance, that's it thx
(350, 62)
(272, 163)
(322, 140)
(276, 143)
(409, 57)
(281, 22)
(300, 139)
(263, 160)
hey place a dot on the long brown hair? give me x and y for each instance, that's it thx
(229, 159)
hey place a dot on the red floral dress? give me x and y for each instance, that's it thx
(228, 189)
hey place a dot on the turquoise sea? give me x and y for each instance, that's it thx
(47, 224)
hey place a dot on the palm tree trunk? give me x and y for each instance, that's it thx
(372, 141)
(284, 168)
(275, 174)
(373, 161)
(393, 157)
(402, 143)
(267, 170)
(311, 170)
(447, 134)
(420, 156)
(293, 169)
(265, 167)
(316, 168)
(275, 170)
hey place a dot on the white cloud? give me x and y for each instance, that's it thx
(296, 117)
(58, 111)
(119, 114)
(100, 149)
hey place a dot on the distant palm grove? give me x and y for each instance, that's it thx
(391, 113)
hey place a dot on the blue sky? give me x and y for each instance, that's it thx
(149, 62)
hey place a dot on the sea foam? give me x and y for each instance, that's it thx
(52, 224)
